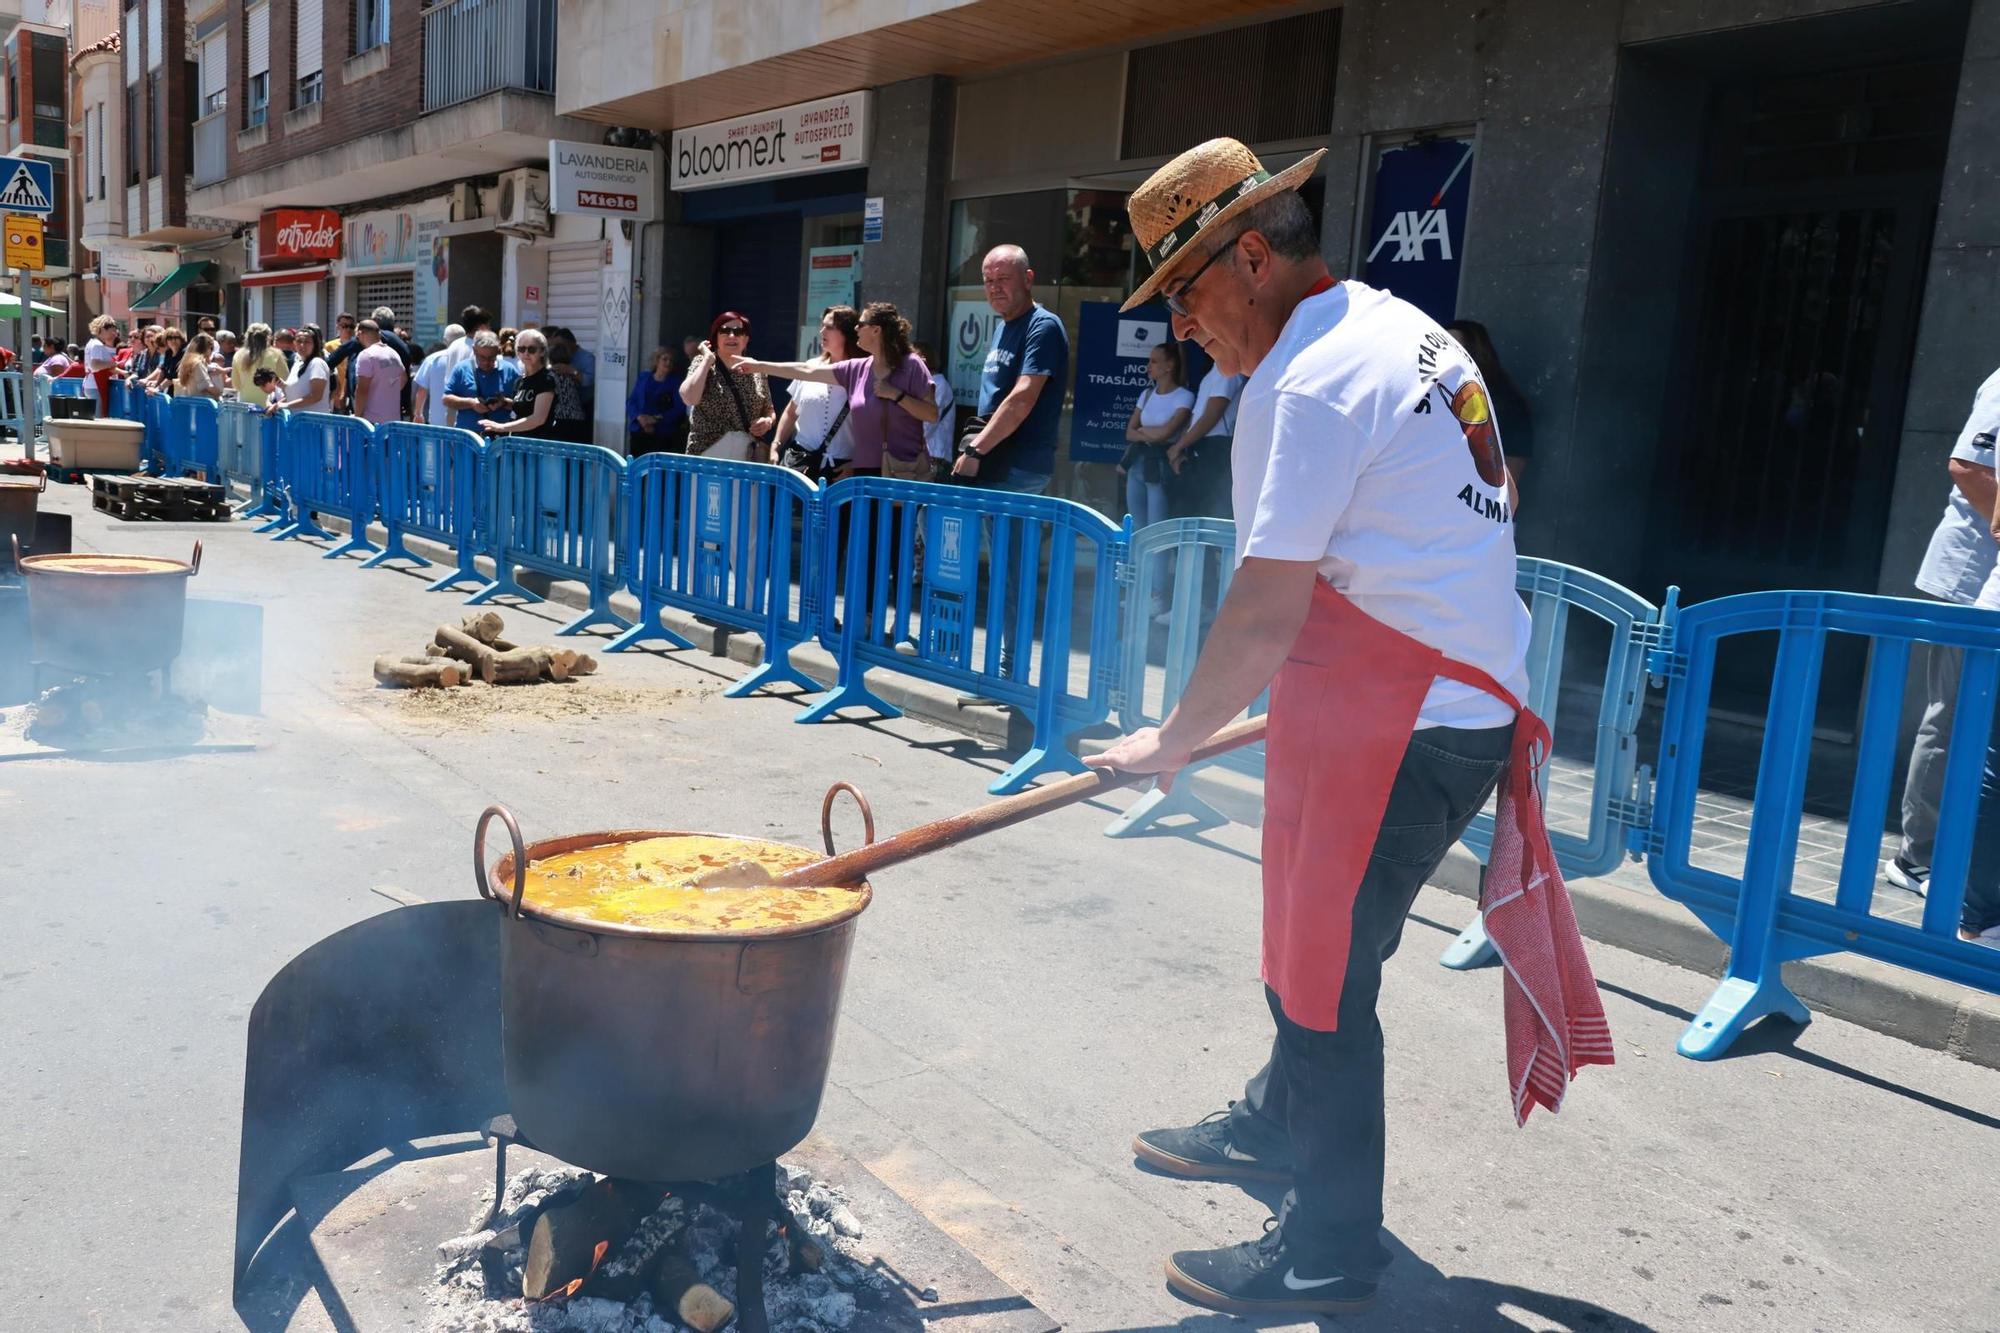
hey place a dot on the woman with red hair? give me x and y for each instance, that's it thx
(729, 410)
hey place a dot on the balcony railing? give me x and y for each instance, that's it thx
(476, 47)
(211, 148)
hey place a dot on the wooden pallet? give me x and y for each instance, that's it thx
(159, 499)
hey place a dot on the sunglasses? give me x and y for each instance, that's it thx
(1174, 300)
(733, 331)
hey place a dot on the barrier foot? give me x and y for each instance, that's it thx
(395, 550)
(852, 695)
(1736, 1004)
(1156, 805)
(276, 521)
(593, 617)
(776, 669)
(1471, 949)
(258, 510)
(450, 582)
(1042, 759)
(356, 541)
(503, 585)
(302, 527)
(648, 629)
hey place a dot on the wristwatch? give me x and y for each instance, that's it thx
(900, 395)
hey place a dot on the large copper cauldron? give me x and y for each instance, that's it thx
(107, 614)
(660, 1056)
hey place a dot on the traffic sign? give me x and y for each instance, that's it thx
(23, 235)
(29, 185)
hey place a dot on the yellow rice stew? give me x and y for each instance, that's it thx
(647, 885)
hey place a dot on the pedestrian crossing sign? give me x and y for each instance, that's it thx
(23, 235)
(29, 187)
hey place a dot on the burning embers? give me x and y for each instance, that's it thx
(114, 712)
(570, 1250)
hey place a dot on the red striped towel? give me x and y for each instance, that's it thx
(1555, 1020)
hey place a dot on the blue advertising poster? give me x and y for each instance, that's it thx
(1416, 230)
(1111, 357)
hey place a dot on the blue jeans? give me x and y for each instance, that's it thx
(1024, 483)
(1981, 910)
(1145, 501)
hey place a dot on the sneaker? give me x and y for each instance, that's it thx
(1207, 1152)
(1262, 1277)
(1916, 879)
(1987, 938)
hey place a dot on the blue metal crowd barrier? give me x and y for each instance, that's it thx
(1009, 641)
(1177, 573)
(734, 542)
(325, 467)
(550, 510)
(1618, 781)
(193, 442)
(155, 410)
(15, 386)
(1763, 921)
(430, 488)
(246, 455)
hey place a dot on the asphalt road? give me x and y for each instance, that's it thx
(1015, 1010)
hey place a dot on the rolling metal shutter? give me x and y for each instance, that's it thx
(214, 71)
(398, 291)
(574, 291)
(258, 42)
(288, 306)
(307, 43)
(155, 38)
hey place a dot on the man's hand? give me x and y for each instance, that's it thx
(1143, 752)
(1177, 458)
(647, 422)
(762, 426)
(967, 465)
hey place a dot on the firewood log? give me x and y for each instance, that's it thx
(562, 1246)
(677, 1287)
(468, 650)
(518, 667)
(585, 665)
(484, 626)
(406, 675)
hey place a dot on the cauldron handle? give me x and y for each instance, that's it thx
(15, 537)
(826, 815)
(520, 855)
(196, 561)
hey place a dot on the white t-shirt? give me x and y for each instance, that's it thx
(938, 442)
(1157, 409)
(1215, 384)
(1958, 566)
(818, 406)
(431, 376)
(297, 383)
(98, 355)
(1348, 452)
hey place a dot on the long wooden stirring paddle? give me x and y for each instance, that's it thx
(855, 866)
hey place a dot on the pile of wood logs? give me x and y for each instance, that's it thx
(569, 1240)
(473, 650)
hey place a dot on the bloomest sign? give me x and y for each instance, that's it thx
(828, 135)
(298, 235)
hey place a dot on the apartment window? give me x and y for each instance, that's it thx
(98, 173)
(214, 74)
(89, 154)
(371, 24)
(306, 51)
(156, 41)
(156, 124)
(132, 176)
(257, 64)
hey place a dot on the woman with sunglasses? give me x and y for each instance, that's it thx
(729, 409)
(534, 396)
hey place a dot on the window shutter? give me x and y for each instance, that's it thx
(214, 67)
(306, 29)
(258, 21)
(130, 38)
(155, 36)
(89, 153)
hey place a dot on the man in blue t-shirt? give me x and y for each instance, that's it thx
(1021, 389)
(481, 389)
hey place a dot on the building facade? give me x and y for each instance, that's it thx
(1736, 254)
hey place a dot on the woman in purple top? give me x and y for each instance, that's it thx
(889, 399)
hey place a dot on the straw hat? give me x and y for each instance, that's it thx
(1202, 188)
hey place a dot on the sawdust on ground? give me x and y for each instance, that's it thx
(549, 701)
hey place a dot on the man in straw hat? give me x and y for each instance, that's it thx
(1374, 597)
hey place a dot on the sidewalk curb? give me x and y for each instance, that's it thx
(1921, 1010)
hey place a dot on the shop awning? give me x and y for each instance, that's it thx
(278, 277)
(10, 308)
(183, 276)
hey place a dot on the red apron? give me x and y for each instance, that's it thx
(1343, 708)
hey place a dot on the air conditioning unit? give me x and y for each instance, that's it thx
(464, 202)
(522, 204)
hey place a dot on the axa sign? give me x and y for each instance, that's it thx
(298, 235)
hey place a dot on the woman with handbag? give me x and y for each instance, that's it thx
(1158, 420)
(813, 436)
(729, 409)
